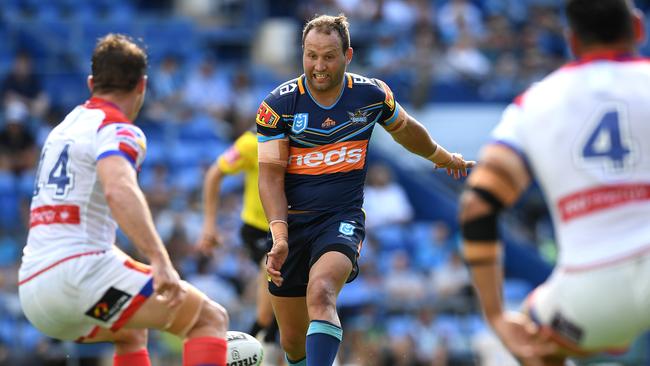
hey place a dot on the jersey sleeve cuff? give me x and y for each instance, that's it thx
(106, 154)
(262, 138)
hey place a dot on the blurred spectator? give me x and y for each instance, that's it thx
(245, 104)
(158, 188)
(216, 288)
(387, 57)
(166, 84)
(502, 85)
(16, 139)
(208, 89)
(359, 11)
(499, 38)
(424, 63)
(399, 16)
(457, 17)
(433, 249)
(452, 285)
(405, 288)
(23, 85)
(466, 61)
(386, 202)
(430, 346)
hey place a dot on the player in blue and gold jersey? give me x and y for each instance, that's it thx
(313, 135)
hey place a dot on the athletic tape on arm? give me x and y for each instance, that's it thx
(274, 151)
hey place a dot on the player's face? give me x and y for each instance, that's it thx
(323, 61)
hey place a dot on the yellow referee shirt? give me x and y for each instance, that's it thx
(242, 157)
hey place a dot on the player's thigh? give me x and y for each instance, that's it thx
(340, 235)
(157, 314)
(292, 317)
(329, 273)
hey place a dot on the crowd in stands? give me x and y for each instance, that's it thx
(412, 303)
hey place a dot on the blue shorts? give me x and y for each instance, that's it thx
(310, 236)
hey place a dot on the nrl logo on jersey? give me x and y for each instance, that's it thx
(359, 116)
(300, 122)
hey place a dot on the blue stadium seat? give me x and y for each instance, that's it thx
(66, 90)
(165, 35)
(391, 238)
(9, 204)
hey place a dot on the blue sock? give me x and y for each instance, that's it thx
(323, 340)
(302, 362)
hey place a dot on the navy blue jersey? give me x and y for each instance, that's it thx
(328, 145)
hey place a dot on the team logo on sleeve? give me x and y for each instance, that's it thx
(359, 117)
(346, 228)
(109, 305)
(300, 121)
(390, 99)
(266, 116)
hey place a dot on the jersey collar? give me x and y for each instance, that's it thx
(615, 56)
(314, 99)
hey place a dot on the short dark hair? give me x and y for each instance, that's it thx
(118, 63)
(601, 21)
(327, 24)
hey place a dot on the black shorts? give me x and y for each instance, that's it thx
(312, 235)
(255, 241)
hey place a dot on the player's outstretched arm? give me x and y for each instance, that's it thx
(494, 184)
(416, 139)
(273, 156)
(210, 236)
(130, 210)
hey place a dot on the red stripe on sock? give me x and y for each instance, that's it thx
(205, 351)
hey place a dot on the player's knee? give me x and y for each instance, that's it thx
(321, 293)
(213, 316)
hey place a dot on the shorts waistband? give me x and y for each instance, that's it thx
(39, 272)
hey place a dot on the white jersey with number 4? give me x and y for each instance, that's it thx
(69, 214)
(584, 132)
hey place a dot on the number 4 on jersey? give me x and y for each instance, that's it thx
(606, 142)
(59, 177)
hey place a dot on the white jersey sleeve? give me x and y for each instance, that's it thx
(508, 131)
(122, 139)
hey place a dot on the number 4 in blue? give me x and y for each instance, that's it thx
(58, 176)
(606, 142)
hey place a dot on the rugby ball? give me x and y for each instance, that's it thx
(243, 349)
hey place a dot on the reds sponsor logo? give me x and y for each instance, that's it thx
(335, 158)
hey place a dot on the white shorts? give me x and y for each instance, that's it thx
(78, 295)
(601, 309)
